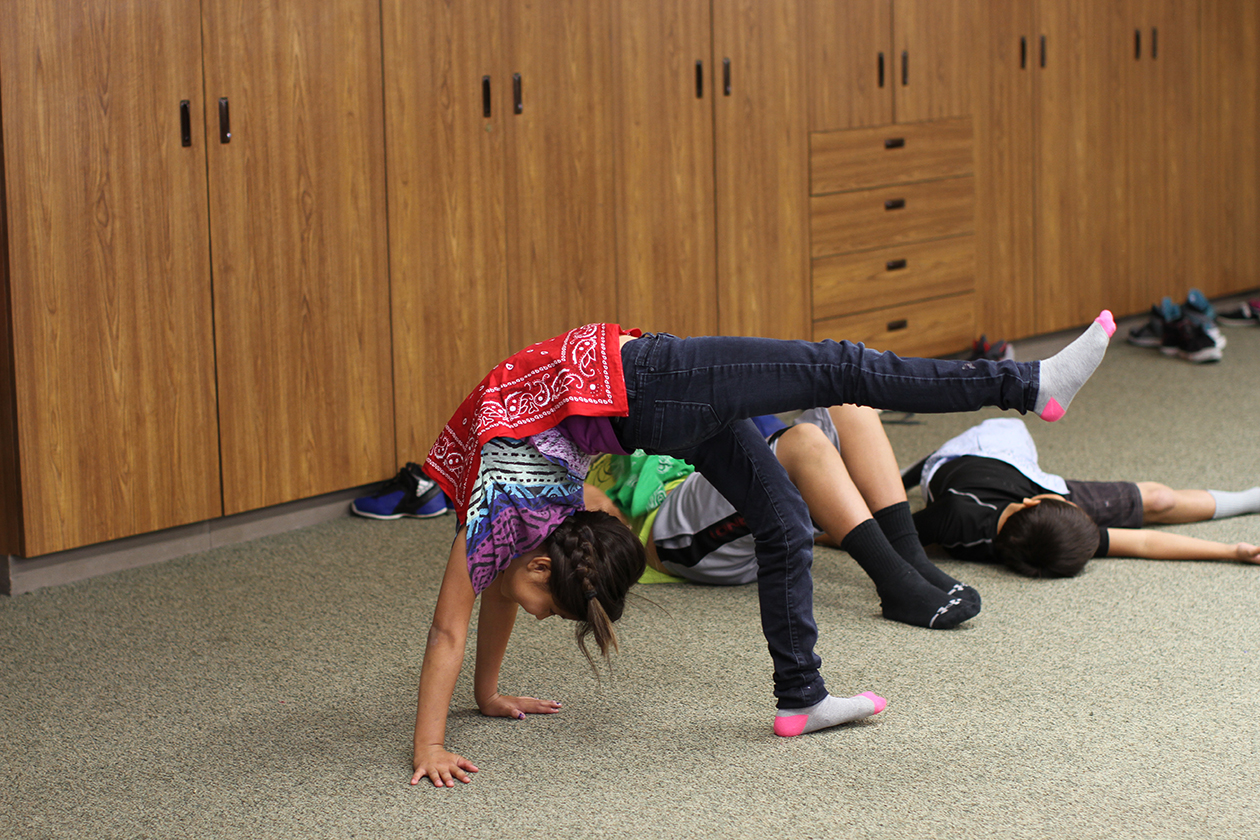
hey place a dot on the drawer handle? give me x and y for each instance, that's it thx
(895, 143)
(485, 97)
(899, 324)
(881, 69)
(894, 204)
(518, 98)
(699, 80)
(726, 77)
(894, 265)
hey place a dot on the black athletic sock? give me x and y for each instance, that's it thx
(904, 595)
(897, 523)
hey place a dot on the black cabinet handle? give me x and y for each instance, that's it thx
(1043, 50)
(905, 68)
(899, 324)
(894, 265)
(1023, 52)
(894, 204)
(225, 121)
(881, 69)
(518, 104)
(699, 80)
(1137, 44)
(726, 77)
(894, 142)
(1154, 43)
(485, 96)
(185, 123)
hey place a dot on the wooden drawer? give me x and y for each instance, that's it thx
(851, 283)
(891, 154)
(857, 221)
(937, 327)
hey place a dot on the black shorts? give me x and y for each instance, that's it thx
(1111, 504)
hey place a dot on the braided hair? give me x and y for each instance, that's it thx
(595, 559)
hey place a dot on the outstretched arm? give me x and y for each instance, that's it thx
(443, 658)
(1161, 545)
(494, 628)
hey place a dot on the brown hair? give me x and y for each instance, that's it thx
(1052, 539)
(595, 559)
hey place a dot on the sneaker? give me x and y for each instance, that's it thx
(998, 351)
(1199, 309)
(1246, 315)
(1151, 334)
(1187, 339)
(410, 493)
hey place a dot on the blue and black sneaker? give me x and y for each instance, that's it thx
(410, 493)
(1151, 334)
(1199, 309)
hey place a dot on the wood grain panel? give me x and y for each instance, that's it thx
(663, 132)
(853, 283)
(864, 219)
(298, 223)
(935, 36)
(1004, 149)
(108, 269)
(762, 170)
(845, 43)
(872, 157)
(448, 235)
(561, 232)
(943, 326)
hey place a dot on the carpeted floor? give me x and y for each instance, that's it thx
(268, 689)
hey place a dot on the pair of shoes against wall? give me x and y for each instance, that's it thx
(1246, 315)
(1188, 331)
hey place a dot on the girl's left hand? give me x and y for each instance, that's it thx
(505, 705)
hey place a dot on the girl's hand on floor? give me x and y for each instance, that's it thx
(505, 705)
(1247, 553)
(441, 767)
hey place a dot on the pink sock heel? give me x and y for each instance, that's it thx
(790, 726)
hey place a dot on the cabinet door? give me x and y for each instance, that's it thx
(762, 169)
(1230, 81)
(1003, 95)
(448, 100)
(850, 63)
(109, 270)
(663, 82)
(1163, 158)
(1082, 204)
(932, 40)
(560, 194)
(297, 208)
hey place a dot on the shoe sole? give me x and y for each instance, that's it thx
(355, 509)
(1144, 342)
(1207, 354)
(1226, 321)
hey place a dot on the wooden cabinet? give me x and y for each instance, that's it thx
(298, 240)
(1087, 161)
(1229, 93)
(180, 304)
(873, 62)
(113, 428)
(891, 219)
(501, 192)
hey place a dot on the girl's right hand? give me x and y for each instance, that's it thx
(441, 767)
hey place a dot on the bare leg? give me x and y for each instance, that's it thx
(836, 505)
(1165, 506)
(868, 455)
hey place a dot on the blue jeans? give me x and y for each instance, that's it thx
(691, 398)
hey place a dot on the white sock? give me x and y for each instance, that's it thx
(830, 711)
(1063, 374)
(1235, 504)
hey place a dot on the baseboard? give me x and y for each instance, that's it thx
(20, 575)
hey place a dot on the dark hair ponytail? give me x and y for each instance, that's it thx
(595, 559)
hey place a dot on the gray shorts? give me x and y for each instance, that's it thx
(1111, 504)
(700, 536)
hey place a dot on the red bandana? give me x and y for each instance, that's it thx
(578, 373)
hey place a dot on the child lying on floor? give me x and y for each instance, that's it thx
(989, 500)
